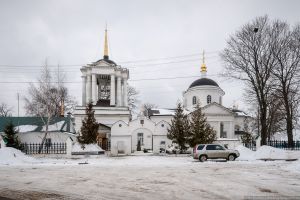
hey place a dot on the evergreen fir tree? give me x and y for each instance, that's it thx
(89, 128)
(200, 131)
(10, 136)
(179, 129)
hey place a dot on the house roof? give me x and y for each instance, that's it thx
(36, 124)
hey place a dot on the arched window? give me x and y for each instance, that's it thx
(208, 99)
(194, 100)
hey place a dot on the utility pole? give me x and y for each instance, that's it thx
(18, 104)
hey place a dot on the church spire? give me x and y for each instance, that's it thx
(203, 66)
(105, 45)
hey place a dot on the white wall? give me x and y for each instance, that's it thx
(121, 145)
(36, 137)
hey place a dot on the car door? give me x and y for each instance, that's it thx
(211, 151)
(220, 152)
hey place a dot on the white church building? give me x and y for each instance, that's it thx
(105, 84)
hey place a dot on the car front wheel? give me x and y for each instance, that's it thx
(203, 158)
(231, 157)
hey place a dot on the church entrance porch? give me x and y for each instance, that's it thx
(103, 138)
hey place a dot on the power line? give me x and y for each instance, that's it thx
(137, 61)
(145, 79)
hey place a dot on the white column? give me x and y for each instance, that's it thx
(119, 97)
(89, 88)
(125, 93)
(94, 89)
(112, 90)
(83, 90)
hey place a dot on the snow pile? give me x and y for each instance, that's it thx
(87, 148)
(245, 153)
(266, 152)
(12, 156)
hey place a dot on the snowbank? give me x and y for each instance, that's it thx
(12, 156)
(245, 153)
(266, 152)
(77, 148)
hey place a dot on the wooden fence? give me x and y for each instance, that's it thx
(47, 148)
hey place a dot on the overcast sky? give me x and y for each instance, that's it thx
(169, 34)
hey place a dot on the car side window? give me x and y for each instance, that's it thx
(211, 147)
(200, 147)
(218, 147)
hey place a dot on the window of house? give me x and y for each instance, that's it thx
(140, 137)
(142, 121)
(208, 99)
(194, 100)
(162, 142)
(120, 125)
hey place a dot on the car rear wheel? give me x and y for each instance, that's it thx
(203, 158)
(231, 157)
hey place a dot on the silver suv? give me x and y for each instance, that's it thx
(213, 151)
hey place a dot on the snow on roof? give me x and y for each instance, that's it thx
(54, 127)
(26, 128)
(163, 111)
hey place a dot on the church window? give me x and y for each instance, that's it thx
(220, 100)
(223, 133)
(120, 125)
(162, 125)
(142, 121)
(140, 138)
(194, 100)
(208, 99)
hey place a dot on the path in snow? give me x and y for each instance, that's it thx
(151, 177)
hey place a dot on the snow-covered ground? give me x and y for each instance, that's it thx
(147, 177)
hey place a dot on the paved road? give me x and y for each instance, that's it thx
(194, 180)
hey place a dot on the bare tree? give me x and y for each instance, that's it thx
(5, 111)
(248, 57)
(133, 99)
(286, 50)
(146, 107)
(45, 100)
